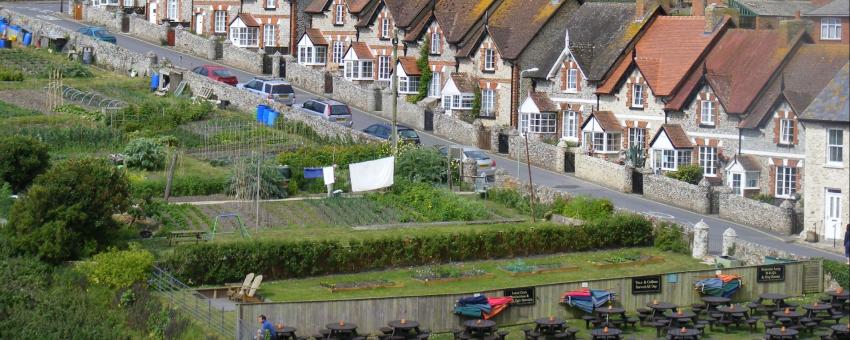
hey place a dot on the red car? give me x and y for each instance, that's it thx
(216, 73)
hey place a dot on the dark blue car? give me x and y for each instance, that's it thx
(98, 33)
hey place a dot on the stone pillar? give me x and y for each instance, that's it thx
(163, 31)
(700, 247)
(470, 168)
(705, 189)
(562, 156)
(788, 209)
(477, 128)
(729, 237)
(276, 63)
(375, 94)
(152, 61)
(261, 59)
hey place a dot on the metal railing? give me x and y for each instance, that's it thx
(193, 304)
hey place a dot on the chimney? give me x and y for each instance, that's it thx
(640, 9)
(698, 8)
(710, 18)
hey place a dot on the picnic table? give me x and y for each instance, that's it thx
(777, 298)
(550, 326)
(676, 319)
(779, 333)
(815, 309)
(678, 334)
(658, 308)
(286, 332)
(794, 316)
(480, 327)
(186, 236)
(732, 314)
(840, 330)
(836, 297)
(603, 334)
(713, 301)
(404, 328)
(343, 330)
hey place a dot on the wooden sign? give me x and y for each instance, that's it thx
(646, 284)
(521, 296)
(770, 273)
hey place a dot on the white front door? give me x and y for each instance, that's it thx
(832, 214)
(199, 24)
(152, 12)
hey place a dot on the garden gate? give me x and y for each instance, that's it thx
(429, 120)
(483, 138)
(569, 162)
(637, 181)
(503, 143)
(329, 83)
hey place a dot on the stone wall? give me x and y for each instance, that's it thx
(242, 58)
(304, 77)
(186, 41)
(756, 214)
(542, 193)
(145, 30)
(605, 173)
(539, 153)
(409, 114)
(459, 131)
(101, 17)
(753, 254)
(659, 188)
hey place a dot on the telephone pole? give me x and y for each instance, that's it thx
(395, 91)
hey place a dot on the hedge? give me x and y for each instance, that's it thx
(216, 263)
(840, 272)
(187, 185)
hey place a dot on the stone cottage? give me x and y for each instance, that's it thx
(255, 24)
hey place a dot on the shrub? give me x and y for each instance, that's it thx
(690, 173)
(67, 213)
(839, 271)
(422, 202)
(280, 259)
(186, 185)
(119, 268)
(145, 154)
(587, 208)
(21, 160)
(6, 200)
(764, 198)
(21, 272)
(11, 75)
(669, 237)
(419, 164)
(522, 203)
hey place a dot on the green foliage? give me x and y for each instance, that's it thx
(6, 200)
(119, 268)
(79, 111)
(422, 202)
(690, 173)
(228, 262)
(67, 212)
(145, 154)
(68, 70)
(21, 160)
(669, 237)
(320, 156)
(425, 69)
(636, 156)
(764, 198)
(476, 104)
(586, 208)
(839, 271)
(10, 110)
(243, 181)
(157, 115)
(185, 185)
(522, 203)
(420, 164)
(64, 133)
(23, 277)
(11, 75)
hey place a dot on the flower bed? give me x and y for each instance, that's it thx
(359, 285)
(442, 274)
(520, 268)
(626, 259)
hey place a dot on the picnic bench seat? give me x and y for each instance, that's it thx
(186, 236)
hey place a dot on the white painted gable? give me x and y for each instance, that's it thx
(662, 142)
(592, 125)
(528, 106)
(450, 89)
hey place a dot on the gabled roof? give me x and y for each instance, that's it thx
(406, 11)
(463, 82)
(515, 23)
(798, 82)
(357, 6)
(457, 17)
(370, 13)
(836, 8)
(315, 36)
(542, 101)
(833, 102)
(747, 162)
(317, 6)
(613, 80)
(247, 19)
(606, 120)
(408, 65)
(774, 8)
(671, 47)
(675, 134)
(598, 33)
(361, 51)
(415, 32)
(737, 68)
(467, 47)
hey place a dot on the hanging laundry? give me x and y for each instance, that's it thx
(313, 173)
(328, 172)
(372, 175)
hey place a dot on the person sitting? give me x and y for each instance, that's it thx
(266, 327)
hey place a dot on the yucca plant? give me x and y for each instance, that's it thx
(635, 156)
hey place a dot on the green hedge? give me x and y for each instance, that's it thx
(215, 263)
(839, 271)
(190, 185)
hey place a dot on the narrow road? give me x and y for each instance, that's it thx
(563, 182)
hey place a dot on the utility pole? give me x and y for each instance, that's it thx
(395, 91)
(530, 184)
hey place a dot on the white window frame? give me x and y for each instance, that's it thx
(489, 59)
(708, 161)
(340, 14)
(384, 69)
(602, 142)
(385, 28)
(270, 4)
(830, 29)
(786, 131)
(220, 26)
(359, 69)
(338, 51)
(435, 42)
(244, 36)
(570, 128)
(786, 182)
(707, 112)
(542, 122)
(834, 148)
(269, 34)
(671, 159)
(129, 3)
(637, 95)
(171, 10)
(488, 103)
(312, 55)
(435, 88)
(751, 176)
(408, 85)
(572, 80)
(637, 136)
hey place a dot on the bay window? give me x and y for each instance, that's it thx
(359, 69)
(786, 182)
(312, 55)
(244, 36)
(670, 159)
(458, 102)
(488, 102)
(541, 122)
(603, 142)
(408, 85)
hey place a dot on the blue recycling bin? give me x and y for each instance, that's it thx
(27, 39)
(154, 81)
(271, 117)
(3, 25)
(262, 113)
(5, 43)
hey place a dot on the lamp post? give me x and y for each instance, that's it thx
(527, 157)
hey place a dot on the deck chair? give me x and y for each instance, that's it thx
(249, 295)
(243, 288)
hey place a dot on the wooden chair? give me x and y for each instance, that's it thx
(243, 288)
(249, 294)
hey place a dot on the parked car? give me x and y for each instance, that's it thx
(274, 89)
(331, 110)
(486, 165)
(98, 33)
(385, 131)
(216, 73)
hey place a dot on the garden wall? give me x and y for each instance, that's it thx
(304, 77)
(541, 192)
(541, 154)
(194, 44)
(757, 214)
(605, 173)
(435, 311)
(753, 254)
(659, 188)
(241, 58)
(458, 131)
(145, 30)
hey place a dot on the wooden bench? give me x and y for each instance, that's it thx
(186, 236)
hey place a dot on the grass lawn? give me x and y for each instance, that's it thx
(309, 289)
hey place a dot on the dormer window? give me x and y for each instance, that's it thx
(435, 42)
(271, 4)
(489, 59)
(385, 28)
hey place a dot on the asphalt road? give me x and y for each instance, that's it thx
(564, 182)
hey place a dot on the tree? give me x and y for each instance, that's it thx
(21, 160)
(67, 213)
(424, 69)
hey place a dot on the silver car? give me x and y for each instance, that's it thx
(486, 165)
(330, 110)
(274, 89)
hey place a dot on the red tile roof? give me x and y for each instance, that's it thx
(316, 6)
(315, 35)
(676, 135)
(356, 6)
(408, 64)
(405, 11)
(543, 103)
(362, 50)
(670, 48)
(248, 20)
(606, 120)
(610, 83)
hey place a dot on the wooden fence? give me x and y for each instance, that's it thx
(435, 311)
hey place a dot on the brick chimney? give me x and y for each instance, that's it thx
(698, 8)
(640, 9)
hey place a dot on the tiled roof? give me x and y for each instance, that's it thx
(463, 82)
(369, 13)
(543, 103)
(677, 136)
(808, 71)
(248, 20)
(606, 120)
(356, 6)
(405, 11)
(409, 66)
(362, 50)
(773, 8)
(468, 45)
(833, 102)
(748, 162)
(414, 33)
(693, 82)
(316, 36)
(516, 22)
(622, 66)
(316, 6)
(457, 17)
(669, 49)
(836, 8)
